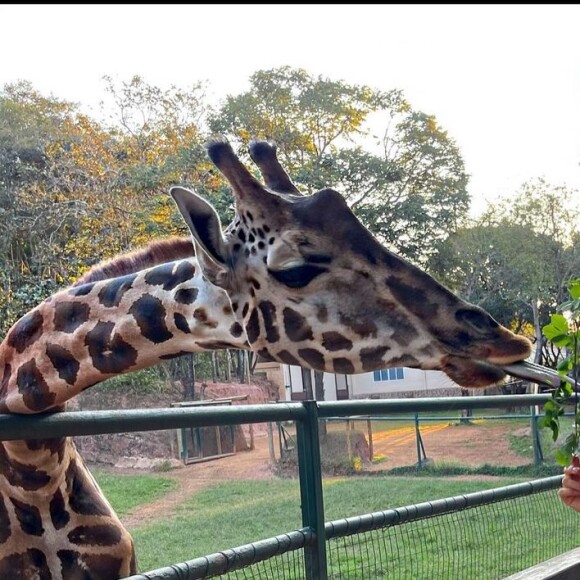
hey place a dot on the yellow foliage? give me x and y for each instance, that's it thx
(357, 463)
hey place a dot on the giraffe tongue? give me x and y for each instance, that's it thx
(535, 373)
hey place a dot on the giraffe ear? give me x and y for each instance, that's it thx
(205, 226)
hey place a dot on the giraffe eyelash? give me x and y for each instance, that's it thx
(298, 277)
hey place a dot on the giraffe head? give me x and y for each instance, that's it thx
(313, 287)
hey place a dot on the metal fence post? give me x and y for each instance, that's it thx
(418, 440)
(311, 491)
(536, 441)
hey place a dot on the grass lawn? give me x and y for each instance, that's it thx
(126, 492)
(523, 445)
(234, 513)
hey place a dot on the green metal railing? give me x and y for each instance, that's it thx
(312, 540)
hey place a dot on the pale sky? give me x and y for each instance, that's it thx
(503, 80)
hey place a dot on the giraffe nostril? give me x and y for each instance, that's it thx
(477, 319)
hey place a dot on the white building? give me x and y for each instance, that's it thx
(387, 383)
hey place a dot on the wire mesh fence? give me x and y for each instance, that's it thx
(280, 557)
(487, 541)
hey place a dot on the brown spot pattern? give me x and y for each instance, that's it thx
(35, 391)
(149, 313)
(181, 323)
(58, 514)
(405, 360)
(288, 358)
(54, 446)
(268, 311)
(314, 358)
(64, 362)
(404, 331)
(264, 354)
(81, 290)
(296, 326)
(169, 276)
(32, 560)
(186, 295)
(83, 497)
(364, 328)
(68, 316)
(28, 517)
(236, 329)
(372, 358)
(200, 314)
(216, 345)
(253, 326)
(414, 299)
(335, 341)
(5, 379)
(112, 293)
(75, 565)
(98, 535)
(322, 313)
(342, 366)
(18, 474)
(5, 531)
(26, 331)
(109, 353)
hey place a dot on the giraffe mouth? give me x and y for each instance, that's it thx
(475, 373)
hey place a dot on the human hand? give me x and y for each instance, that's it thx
(570, 491)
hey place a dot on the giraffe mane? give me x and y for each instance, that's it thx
(157, 252)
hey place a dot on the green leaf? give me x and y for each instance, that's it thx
(557, 330)
(564, 366)
(563, 457)
(574, 289)
(558, 325)
(555, 427)
(550, 406)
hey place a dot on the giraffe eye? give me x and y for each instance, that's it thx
(299, 276)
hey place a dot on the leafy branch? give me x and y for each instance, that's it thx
(564, 332)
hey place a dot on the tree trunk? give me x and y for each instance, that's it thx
(538, 333)
(189, 386)
(214, 369)
(466, 414)
(228, 366)
(241, 365)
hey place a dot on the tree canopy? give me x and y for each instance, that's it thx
(516, 260)
(398, 169)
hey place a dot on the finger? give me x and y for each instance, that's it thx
(571, 483)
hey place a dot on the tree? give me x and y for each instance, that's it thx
(408, 186)
(516, 260)
(29, 220)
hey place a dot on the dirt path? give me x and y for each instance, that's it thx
(191, 478)
(467, 445)
(474, 444)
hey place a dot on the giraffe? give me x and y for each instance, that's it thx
(297, 279)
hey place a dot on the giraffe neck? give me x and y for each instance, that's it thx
(88, 333)
(55, 522)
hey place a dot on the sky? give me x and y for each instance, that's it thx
(503, 80)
